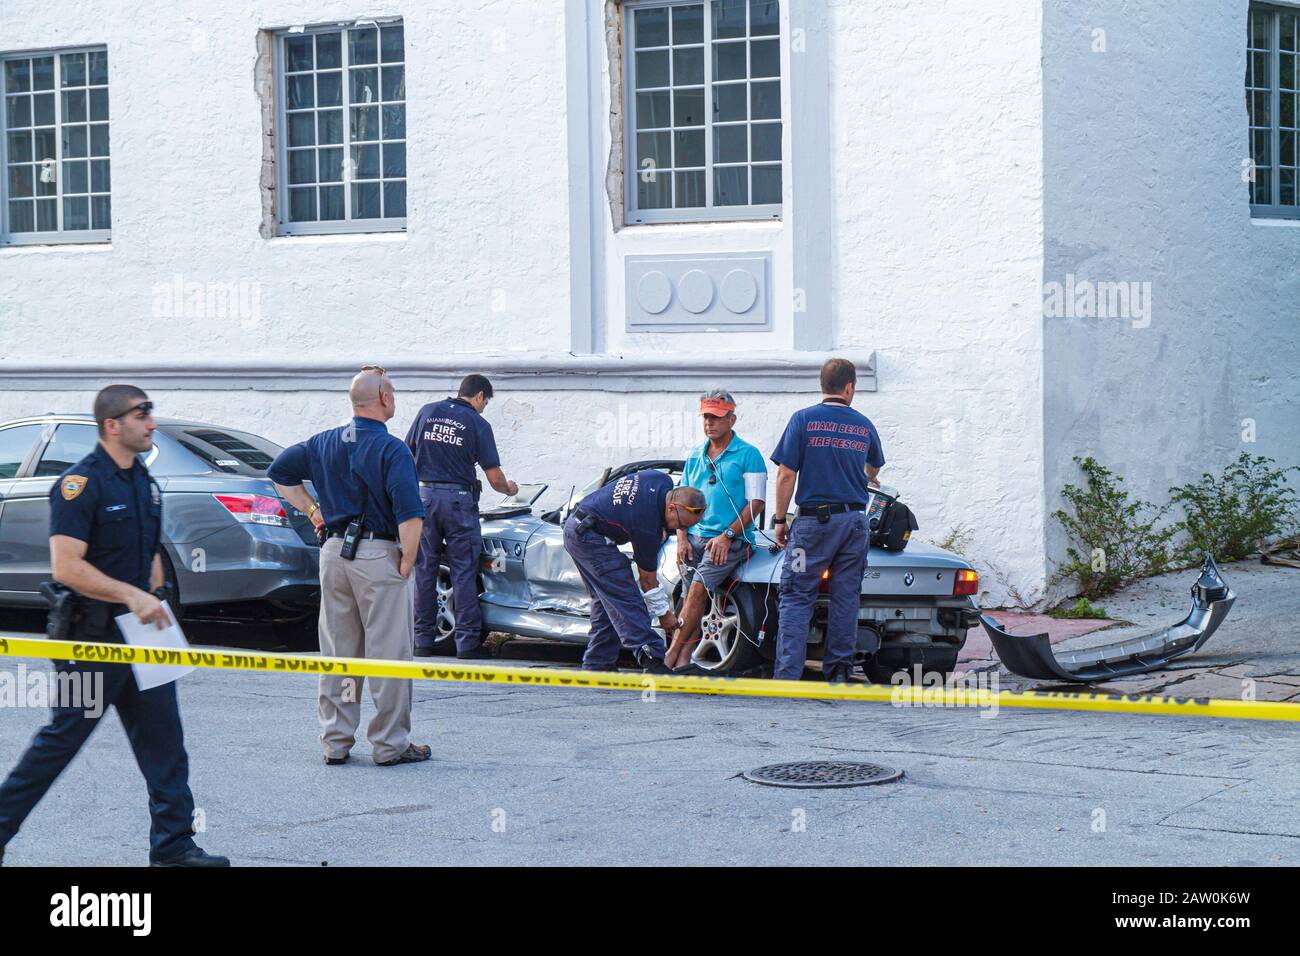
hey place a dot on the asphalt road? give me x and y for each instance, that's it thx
(537, 775)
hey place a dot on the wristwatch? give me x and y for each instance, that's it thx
(730, 534)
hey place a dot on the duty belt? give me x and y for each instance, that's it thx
(593, 522)
(823, 512)
(365, 536)
(446, 485)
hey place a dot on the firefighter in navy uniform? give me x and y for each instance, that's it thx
(448, 438)
(105, 532)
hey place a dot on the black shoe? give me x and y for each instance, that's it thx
(335, 761)
(611, 668)
(477, 654)
(651, 664)
(424, 652)
(838, 673)
(414, 753)
(193, 857)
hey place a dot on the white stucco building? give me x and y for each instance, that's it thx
(608, 207)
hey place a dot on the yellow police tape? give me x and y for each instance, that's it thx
(907, 696)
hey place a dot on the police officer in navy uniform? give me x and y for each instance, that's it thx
(448, 438)
(834, 452)
(105, 531)
(641, 508)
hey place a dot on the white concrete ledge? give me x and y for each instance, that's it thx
(790, 372)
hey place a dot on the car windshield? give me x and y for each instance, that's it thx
(224, 450)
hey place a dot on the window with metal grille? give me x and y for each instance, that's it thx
(54, 152)
(341, 143)
(702, 110)
(1271, 91)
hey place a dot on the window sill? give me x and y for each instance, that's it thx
(1286, 223)
(770, 226)
(35, 248)
(336, 238)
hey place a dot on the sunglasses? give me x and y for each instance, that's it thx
(687, 508)
(146, 407)
(374, 368)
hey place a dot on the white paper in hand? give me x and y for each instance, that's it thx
(148, 676)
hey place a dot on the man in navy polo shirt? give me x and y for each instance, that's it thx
(362, 474)
(641, 508)
(834, 452)
(448, 438)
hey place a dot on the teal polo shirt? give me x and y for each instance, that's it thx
(720, 511)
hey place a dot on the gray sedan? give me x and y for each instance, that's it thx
(233, 549)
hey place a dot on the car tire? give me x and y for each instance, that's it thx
(169, 578)
(730, 627)
(445, 642)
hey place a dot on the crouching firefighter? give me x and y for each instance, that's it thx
(640, 508)
(834, 452)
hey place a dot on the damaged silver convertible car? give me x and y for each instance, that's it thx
(916, 605)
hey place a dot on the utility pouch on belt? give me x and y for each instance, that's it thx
(478, 490)
(65, 610)
(351, 539)
(893, 526)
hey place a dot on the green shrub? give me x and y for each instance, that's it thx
(1232, 515)
(1082, 608)
(1114, 539)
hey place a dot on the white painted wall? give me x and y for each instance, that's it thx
(937, 225)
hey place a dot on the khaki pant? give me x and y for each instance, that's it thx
(365, 611)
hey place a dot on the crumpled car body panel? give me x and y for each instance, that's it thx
(1031, 655)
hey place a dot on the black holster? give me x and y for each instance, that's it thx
(66, 610)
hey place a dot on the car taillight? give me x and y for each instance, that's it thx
(825, 583)
(255, 509)
(965, 581)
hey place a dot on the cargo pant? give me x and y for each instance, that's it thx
(618, 612)
(152, 721)
(450, 522)
(840, 543)
(365, 611)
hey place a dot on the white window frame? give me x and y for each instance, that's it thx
(345, 226)
(1274, 209)
(708, 212)
(60, 236)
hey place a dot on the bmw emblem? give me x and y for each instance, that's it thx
(908, 579)
(519, 549)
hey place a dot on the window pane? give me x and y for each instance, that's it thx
(654, 191)
(47, 180)
(394, 83)
(76, 213)
(394, 121)
(728, 18)
(390, 43)
(364, 86)
(689, 106)
(365, 123)
(654, 150)
(22, 182)
(100, 180)
(100, 212)
(76, 177)
(765, 100)
(15, 443)
(394, 200)
(728, 61)
(394, 159)
(729, 102)
(1259, 29)
(70, 444)
(653, 110)
(765, 58)
(1261, 155)
(329, 51)
(20, 147)
(98, 64)
(99, 139)
(302, 129)
(651, 27)
(43, 141)
(767, 185)
(363, 45)
(1286, 187)
(651, 69)
(731, 186)
(302, 204)
(765, 142)
(365, 201)
(1286, 148)
(764, 20)
(74, 141)
(1286, 34)
(301, 90)
(298, 53)
(329, 127)
(43, 73)
(730, 144)
(1263, 183)
(329, 88)
(1259, 109)
(99, 104)
(1286, 109)
(74, 69)
(18, 76)
(331, 203)
(18, 111)
(690, 189)
(365, 162)
(688, 25)
(688, 148)
(688, 66)
(22, 216)
(1259, 70)
(330, 166)
(43, 109)
(302, 166)
(47, 215)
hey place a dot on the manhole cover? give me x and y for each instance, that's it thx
(822, 773)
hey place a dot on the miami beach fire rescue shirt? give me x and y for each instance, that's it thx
(829, 445)
(448, 438)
